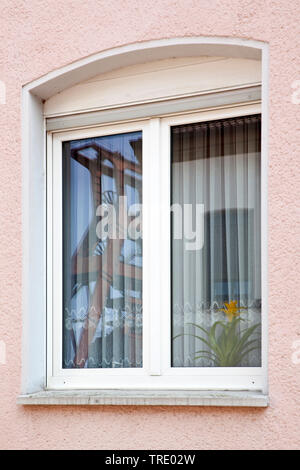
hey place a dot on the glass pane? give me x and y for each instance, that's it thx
(102, 252)
(216, 243)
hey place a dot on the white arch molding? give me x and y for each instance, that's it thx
(34, 168)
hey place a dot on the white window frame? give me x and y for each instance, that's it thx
(157, 373)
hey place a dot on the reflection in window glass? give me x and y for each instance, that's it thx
(216, 284)
(102, 258)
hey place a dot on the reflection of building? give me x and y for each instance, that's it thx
(114, 265)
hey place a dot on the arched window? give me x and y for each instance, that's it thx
(154, 227)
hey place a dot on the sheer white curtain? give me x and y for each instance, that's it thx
(102, 283)
(216, 164)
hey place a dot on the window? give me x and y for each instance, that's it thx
(154, 253)
(216, 166)
(102, 270)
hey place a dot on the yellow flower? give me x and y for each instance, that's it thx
(231, 309)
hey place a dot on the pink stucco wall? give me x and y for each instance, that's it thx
(37, 36)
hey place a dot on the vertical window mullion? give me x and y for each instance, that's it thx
(152, 246)
(165, 234)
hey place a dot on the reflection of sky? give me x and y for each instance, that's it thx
(82, 208)
(131, 253)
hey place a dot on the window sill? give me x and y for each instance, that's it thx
(146, 397)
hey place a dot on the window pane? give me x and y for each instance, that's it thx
(216, 275)
(102, 253)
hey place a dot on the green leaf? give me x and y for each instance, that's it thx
(242, 343)
(245, 353)
(205, 357)
(206, 352)
(198, 326)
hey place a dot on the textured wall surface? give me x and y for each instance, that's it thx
(37, 36)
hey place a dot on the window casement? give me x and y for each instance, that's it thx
(154, 250)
